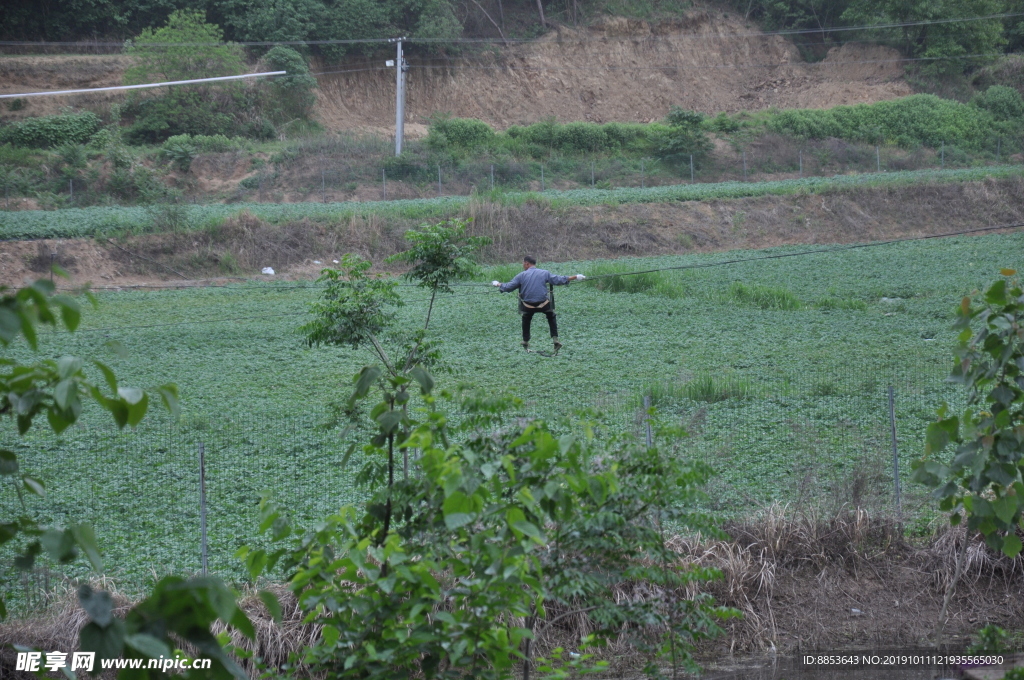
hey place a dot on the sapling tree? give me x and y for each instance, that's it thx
(357, 307)
(981, 481)
(59, 390)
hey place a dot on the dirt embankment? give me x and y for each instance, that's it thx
(243, 245)
(618, 70)
(621, 70)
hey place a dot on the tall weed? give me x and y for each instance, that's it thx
(764, 297)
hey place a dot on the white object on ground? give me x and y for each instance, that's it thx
(580, 277)
(317, 262)
(495, 283)
(268, 270)
(335, 262)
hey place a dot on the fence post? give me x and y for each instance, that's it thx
(202, 507)
(647, 420)
(895, 451)
(323, 185)
(384, 179)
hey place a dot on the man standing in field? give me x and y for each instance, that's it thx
(533, 296)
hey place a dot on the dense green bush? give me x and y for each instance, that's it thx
(460, 133)
(290, 96)
(1004, 103)
(911, 121)
(52, 131)
(539, 139)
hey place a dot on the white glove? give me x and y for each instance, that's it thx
(495, 283)
(581, 277)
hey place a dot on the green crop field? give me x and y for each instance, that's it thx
(779, 368)
(97, 220)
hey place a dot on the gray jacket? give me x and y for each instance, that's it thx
(533, 284)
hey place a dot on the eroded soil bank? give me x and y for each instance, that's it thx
(241, 246)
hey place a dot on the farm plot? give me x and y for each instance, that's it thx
(789, 403)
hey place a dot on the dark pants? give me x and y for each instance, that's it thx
(528, 321)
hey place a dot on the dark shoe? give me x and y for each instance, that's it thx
(558, 345)
(526, 346)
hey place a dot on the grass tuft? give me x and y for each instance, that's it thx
(764, 297)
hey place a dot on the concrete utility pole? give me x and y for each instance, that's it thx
(400, 68)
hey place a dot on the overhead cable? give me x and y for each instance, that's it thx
(359, 41)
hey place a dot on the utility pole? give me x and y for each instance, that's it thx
(400, 68)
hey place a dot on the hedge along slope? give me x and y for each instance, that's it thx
(50, 131)
(84, 222)
(921, 119)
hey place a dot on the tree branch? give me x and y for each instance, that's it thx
(500, 32)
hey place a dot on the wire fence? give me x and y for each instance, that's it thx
(346, 168)
(329, 175)
(817, 438)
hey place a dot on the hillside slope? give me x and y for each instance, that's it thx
(619, 70)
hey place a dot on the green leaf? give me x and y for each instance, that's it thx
(106, 641)
(1011, 545)
(148, 646)
(169, 396)
(420, 375)
(108, 375)
(458, 510)
(272, 604)
(59, 544)
(97, 604)
(86, 540)
(364, 381)
(389, 421)
(34, 486)
(1005, 508)
(996, 294)
(8, 462)
(67, 367)
(530, 529)
(70, 312)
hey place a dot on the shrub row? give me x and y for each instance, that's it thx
(917, 120)
(51, 131)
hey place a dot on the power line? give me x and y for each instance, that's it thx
(360, 41)
(834, 249)
(144, 86)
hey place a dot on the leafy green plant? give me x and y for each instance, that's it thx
(983, 481)
(179, 150)
(51, 131)
(500, 524)
(991, 640)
